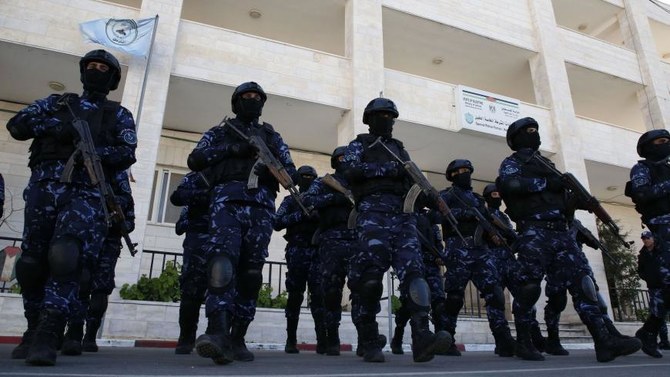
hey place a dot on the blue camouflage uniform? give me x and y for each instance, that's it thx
(470, 260)
(302, 262)
(65, 212)
(648, 262)
(193, 193)
(240, 216)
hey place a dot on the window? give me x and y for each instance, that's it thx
(160, 209)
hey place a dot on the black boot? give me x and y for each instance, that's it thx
(215, 342)
(424, 342)
(321, 338)
(609, 347)
(613, 330)
(369, 343)
(333, 341)
(72, 343)
(396, 342)
(291, 337)
(553, 345)
(21, 351)
(89, 344)
(505, 344)
(663, 334)
(46, 339)
(537, 338)
(453, 349)
(189, 313)
(237, 333)
(524, 344)
(647, 335)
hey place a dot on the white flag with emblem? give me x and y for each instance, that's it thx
(130, 36)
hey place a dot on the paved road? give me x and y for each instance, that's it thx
(157, 362)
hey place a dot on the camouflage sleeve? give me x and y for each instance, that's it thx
(437, 236)
(286, 215)
(512, 180)
(355, 166)
(36, 120)
(121, 155)
(190, 192)
(319, 196)
(284, 156)
(642, 188)
(209, 150)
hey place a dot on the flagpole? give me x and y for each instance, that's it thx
(146, 73)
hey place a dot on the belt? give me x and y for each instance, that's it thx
(557, 225)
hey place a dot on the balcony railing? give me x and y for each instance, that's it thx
(630, 305)
(6, 286)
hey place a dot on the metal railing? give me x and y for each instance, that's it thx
(630, 305)
(158, 260)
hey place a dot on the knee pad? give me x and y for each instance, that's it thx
(98, 305)
(587, 289)
(371, 291)
(30, 273)
(497, 298)
(454, 303)
(294, 301)
(219, 274)
(249, 283)
(528, 295)
(64, 259)
(419, 293)
(557, 303)
(602, 304)
(332, 299)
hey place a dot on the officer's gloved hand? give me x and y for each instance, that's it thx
(470, 214)
(261, 169)
(393, 169)
(555, 184)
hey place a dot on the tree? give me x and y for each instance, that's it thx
(620, 270)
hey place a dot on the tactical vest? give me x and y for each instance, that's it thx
(102, 125)
(239, 168)
(522, 206)
(334, 215)
(378, 154)
(661, 206)
(425, 227)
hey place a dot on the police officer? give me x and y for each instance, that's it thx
(2, 196)
(432, 251)
(387, 234)
(650, 190)
(302, 262)
(240, 228)
(94, 290)
(64, 223)
(648, 262)
(193, 193)
(537, 202)
(330, 196)
(470, 258)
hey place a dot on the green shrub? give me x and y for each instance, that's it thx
(265, 299)
(395, 304)
(164, 288)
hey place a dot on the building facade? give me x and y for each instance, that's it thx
(594, 73)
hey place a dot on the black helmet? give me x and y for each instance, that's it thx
(648, 137)
(307, 170)
(517, 126)
(457, 164)
(244, 88)
(103, 57)
(379, 104)
(337, 153)
(489, 189)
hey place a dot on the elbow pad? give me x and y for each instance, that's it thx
(195, 162)
(511, 186)
(18, 132)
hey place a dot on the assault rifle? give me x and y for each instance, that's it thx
(593, 240)
(489, 228)
(268, 159)
(442, 259)
(585, 199)
(337, 186)
(85, 152)
(421, 182)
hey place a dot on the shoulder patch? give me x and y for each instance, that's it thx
(129, 136)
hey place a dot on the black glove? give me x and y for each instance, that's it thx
(555, 184)
(260, 169)
(393, 169)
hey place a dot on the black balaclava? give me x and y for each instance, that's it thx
(656, 152)
(381, 126)
(526, 140)
(493, 203)
(249, 109)
(96, 81)
(304, 181)
(463, 180)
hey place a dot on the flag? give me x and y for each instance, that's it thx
(130, 36)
